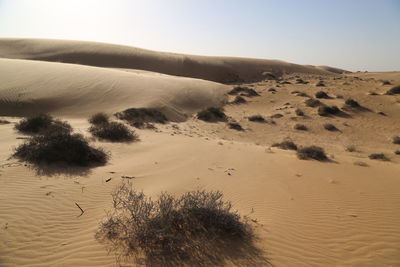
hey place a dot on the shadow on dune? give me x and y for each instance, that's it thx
(51, 170)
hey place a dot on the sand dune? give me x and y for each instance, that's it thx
(220, 69)
(75, 90)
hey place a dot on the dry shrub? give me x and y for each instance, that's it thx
(328, 110)
(239, 100)
(313, 103)
(300, 127)
(312, 152)
(235, 126)
(193, 229)
(212, 114)
(4, 122)
(139, 117)
(42, 123)
(113, 131)
(322, 94)
(299, 112)
(378, 156)
(394, 90)
(256, 118)
(60, 146)
(396, 140)
(330, 127)
(99, 118)
(244, 91)
(286, 145)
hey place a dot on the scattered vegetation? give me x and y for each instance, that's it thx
(244, 91)
(351, 148)
(113, 131)
(397, 152)
(170, 231)
(378, 156)
(212, 114)
(394, 90)
(41, 123)
(276, 116)
(328, 110)
(286, 145)
(139, 117)
(322, 94)
(301, 81)
(386, 82)
(320, 83)
(4, 122)
(352, 103)
(99, 118)
(312, 152)
(300, 127)
(330, 127)
(313, 103)
(60, 146)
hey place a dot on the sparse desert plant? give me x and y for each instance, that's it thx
(381, 113)
(244, 91)
(286, 145)
(313, 103)
(300, 81)
(397, 152)
(42, 123)
(330, 127)
(299, 112)
(320, 83)
(276, 116)
(302, 94)
(322, 94)
(239, 100)
(328, 110)
(396, 140)
(386, 82)
(60, 146)
(235, 126)
(272, 90)
(312, 152)
(99, 118)
(351, 148)
(113, 131)
(175, 230)
(256, 118)
(212, 114)
(138, 117)
(352, 103)
(360, 163)
(4, 122)
(300, 127)
(378, 156)
(394, 90)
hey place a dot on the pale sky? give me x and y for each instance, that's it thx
(350, 34)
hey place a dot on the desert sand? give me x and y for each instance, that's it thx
(305, 213)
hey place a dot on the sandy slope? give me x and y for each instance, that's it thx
(308, 213)
(220, 69)
(35, 86)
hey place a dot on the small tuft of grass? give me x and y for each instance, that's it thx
(286, 145)
(328, 110)
(322, 94)
(300, 127)
(299, 112)
(396, 140)
(330, 127)
(394, 90)
(99, 118)
(212, 114)
(244, 91)
(312, 152)
(41, 123)
(313, 103)
(235, 126)
(378, 156)
(239, 100)
(113, 131)
(256, 118)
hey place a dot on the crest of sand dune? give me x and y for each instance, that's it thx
(219, 69)
(68, 89)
